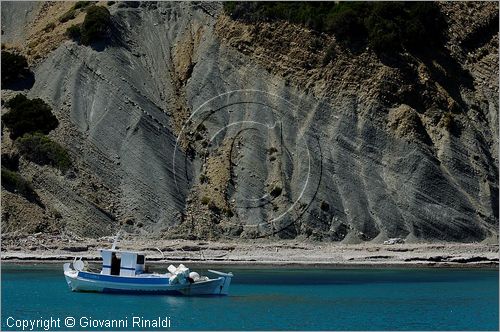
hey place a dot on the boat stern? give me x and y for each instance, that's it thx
(71, 277)
(224, 288)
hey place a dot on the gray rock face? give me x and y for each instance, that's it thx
(15, 16)
(166, 101)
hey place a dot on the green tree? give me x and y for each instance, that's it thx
(28, 116)
(346, 25)
(96, 25)
(14, 67)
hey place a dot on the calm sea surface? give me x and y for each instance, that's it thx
(264, 299)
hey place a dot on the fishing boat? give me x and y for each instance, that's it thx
(125, 272)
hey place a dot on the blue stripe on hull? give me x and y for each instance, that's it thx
(131, 291)
(127, 280)
(121, 267)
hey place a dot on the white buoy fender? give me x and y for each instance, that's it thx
(79, 265)
(194, 275)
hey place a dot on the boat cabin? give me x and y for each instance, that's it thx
(122, 263)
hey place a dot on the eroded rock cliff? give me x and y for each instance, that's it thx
(186, 123)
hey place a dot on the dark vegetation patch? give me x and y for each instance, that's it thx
(228, 212)
(403, 35)
(15, 69)
(329, 55)
(204, 178)
(82, 4)
(73, 11)
(388, 27)
(205, 200)
(41, 150)
(276, 191)
(10, 161)
(213, 207)
(28, 116)
(74, 32)
(49, 27)
(272, 150)
(69, 15)
(15, 183)
(28, 121)
(96, 25)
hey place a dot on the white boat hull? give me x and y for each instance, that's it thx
(95, 282)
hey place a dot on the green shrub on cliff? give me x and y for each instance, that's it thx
(69, 15)
(10, 161)
(346, 22)
(205, 200)
(14, 67)
(41, 150)
(74, 32)
(311, 14)
(388, 27)
(14, 182)
(49, 27)
(393, 26)
(28, 116)
(73, 11)
(96, 24)
(82, 4)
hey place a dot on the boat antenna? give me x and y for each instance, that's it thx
(117, 237)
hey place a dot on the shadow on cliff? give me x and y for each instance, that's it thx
(441, 90)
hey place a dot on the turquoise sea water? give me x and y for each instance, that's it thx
(265, 299)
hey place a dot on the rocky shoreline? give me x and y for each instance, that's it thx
(262, 253)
